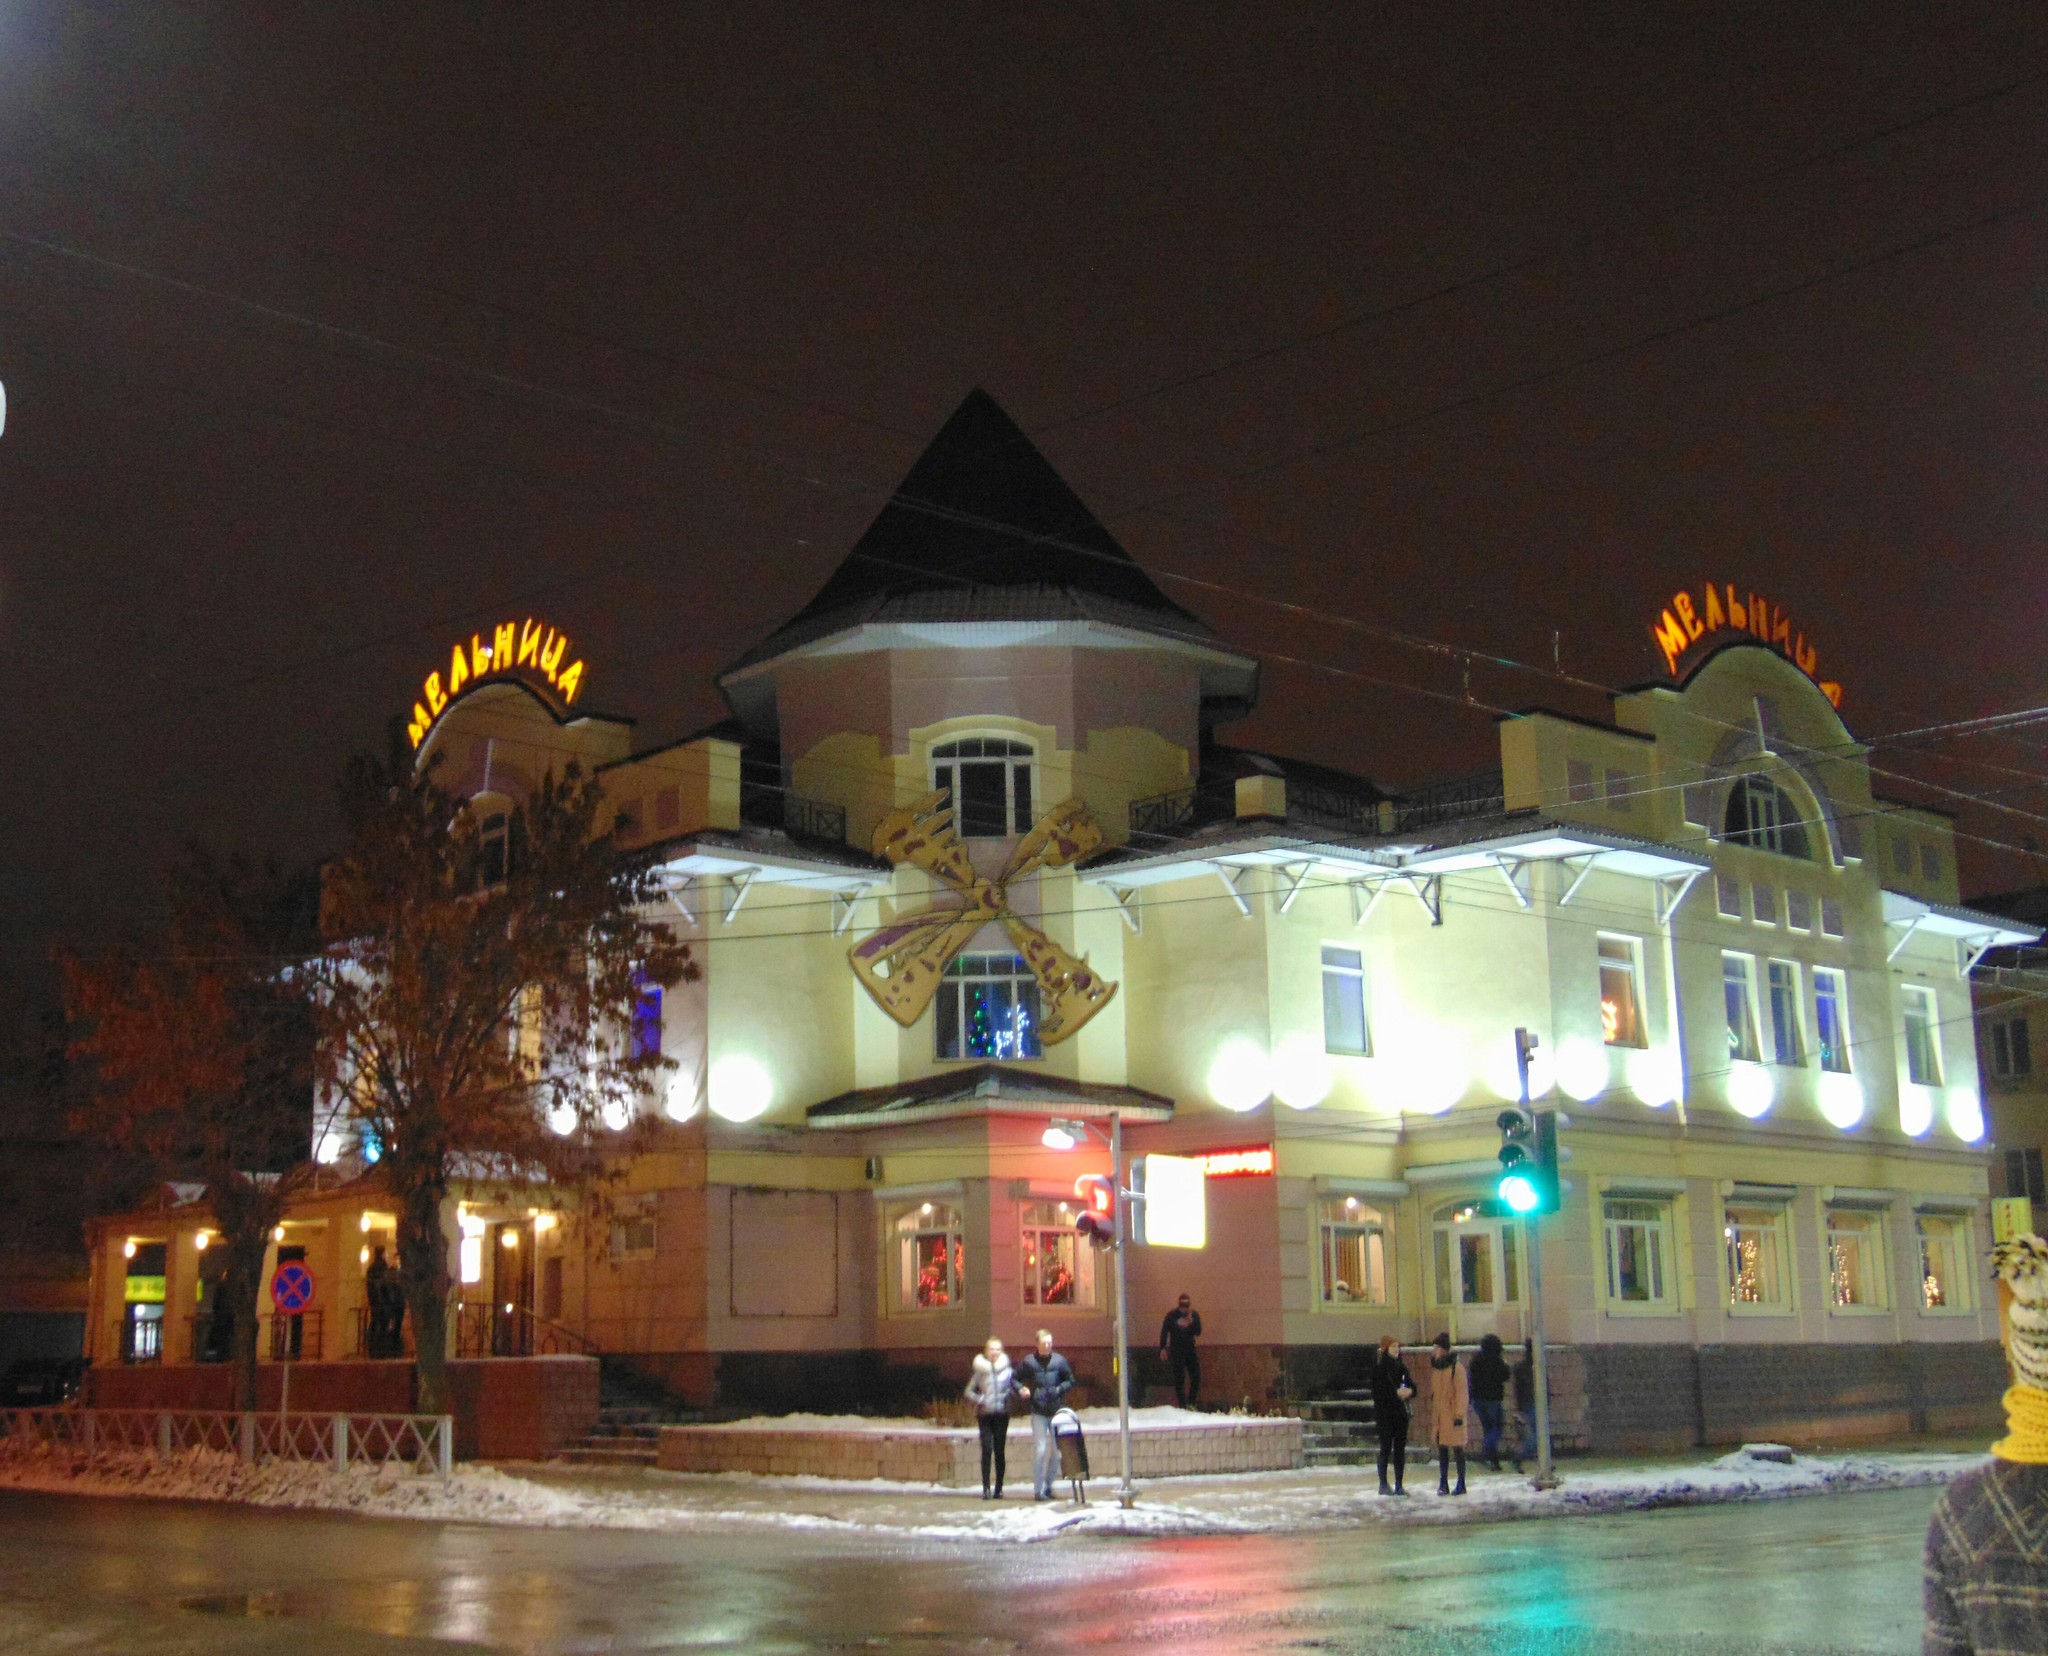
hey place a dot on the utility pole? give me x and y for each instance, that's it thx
(1126, 1492)
(1539, 1375)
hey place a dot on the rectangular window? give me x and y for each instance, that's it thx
(989, 781)
(1765, 899)
(1354, 1246)
(1855, 1259)
(987, 1007)
(1930, 863)
(1923, 1035)
(645, 1041)
(1578, 781)
(1476, 1259)
(1831, 1018)
(930, 1266)
(1738, 986)
(1786, 1045)
(633, 1234)
(1621, 992)
(1755, 1238)
(1638, 1243)
(1902, 857)
(2025, 1175)
(1799, 911)
(2011, 1056)
(1057, 1269)
(1944, 1250)
(1617, 790)
(1728, 897)
(1830, 917)
(1344, 1025)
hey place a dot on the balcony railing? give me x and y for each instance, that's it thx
(814, 818)
(1164, 814)
(1452, 801)
(294, 1337)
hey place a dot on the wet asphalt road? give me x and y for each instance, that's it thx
(1835, 1574)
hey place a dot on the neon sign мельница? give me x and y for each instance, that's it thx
(529, 649)
(1684, 624)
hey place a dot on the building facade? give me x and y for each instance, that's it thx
(970, 856)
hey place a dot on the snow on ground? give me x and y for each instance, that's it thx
(559, 1496)
(1093, 1419)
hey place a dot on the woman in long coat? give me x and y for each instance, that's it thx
(1450, 1406)
(1391, 1390)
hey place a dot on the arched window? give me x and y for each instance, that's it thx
(1763, 815)
(988, 779)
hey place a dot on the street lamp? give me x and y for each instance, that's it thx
(1061, 1134)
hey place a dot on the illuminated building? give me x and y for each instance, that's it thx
(1747, 973)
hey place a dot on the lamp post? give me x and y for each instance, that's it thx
(1062, 1135)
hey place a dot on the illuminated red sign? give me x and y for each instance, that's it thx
(1722, 609)
(1253, 1162)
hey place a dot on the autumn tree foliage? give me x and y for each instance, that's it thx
(196, 1054)
(475, 1001)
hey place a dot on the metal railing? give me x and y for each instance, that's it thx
(1167, 813)
(359, 1334)
(1452, 801)
(1332, 808)
(485, 1330)
(336, 1440)
(295, 1336)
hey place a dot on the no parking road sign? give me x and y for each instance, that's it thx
(291, 1287)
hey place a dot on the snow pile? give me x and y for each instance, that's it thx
(474, 1494)
(1091, 1419)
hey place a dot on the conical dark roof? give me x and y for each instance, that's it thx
(983, 529)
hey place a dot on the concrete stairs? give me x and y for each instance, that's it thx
(626, 1434)
(1338, 1430)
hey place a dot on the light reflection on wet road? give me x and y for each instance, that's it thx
(1838, 1574)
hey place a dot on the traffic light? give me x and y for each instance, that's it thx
(1100, 1221)
(1528, 1181)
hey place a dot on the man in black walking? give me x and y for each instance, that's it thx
(1179, 1330)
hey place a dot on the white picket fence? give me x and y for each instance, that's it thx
(337, 1440)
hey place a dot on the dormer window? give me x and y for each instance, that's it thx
(1762, 814)
(988, 780)
(494, 850)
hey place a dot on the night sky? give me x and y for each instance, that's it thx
(329, 333)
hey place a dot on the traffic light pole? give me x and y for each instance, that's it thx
(1539, 1369)
(1126, 1492)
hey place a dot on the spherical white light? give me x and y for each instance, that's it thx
(617, 1113)
(1239, 1075)
(740, 1088)
(1965, 1114)
(562, 1120)
(328, 1151)
(680, 1100)
(1916, 1110)
(1750, 1089)
(1841, 1099)
(1581, 1068)
(1653, 1076)
(1301, 1072)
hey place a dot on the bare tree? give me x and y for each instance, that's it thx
(196, 1048)
(476, 1000)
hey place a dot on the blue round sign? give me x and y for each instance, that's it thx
(291, 1288)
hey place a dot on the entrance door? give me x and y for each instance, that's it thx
(512, 1273)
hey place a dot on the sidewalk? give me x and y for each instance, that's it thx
(1247, 1503)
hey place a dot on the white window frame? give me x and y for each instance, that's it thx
(1451, 1225)
(1788, 1013)
(906, 1224)
(1347, 1220)
(1776, 1228)
(1349, 980)
(1763, 903)
(1631, 959)
(1775, 821)
(1728, 898)
(1917, 1005)
(1868, 1225)
(1951, 1232)
(972, 968)
(1837, 980)
(1043, 1228)
(1659, 1233)
(1745, 1046)
(1019, 758)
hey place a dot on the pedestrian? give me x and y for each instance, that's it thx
(1178, 1331)
(1985, 1591)
(377, 1305)
(1043, 1380)
(1524, 1380)
(989, 1389)
(1391, 1390)
(1488, 1378)
(1450, 1402)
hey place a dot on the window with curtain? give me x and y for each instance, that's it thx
(1354, 1249)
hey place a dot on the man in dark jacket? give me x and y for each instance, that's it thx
(1488, 1373)
(1179, 1330)
(1043, 1380)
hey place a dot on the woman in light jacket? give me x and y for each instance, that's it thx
(989, 1389)
(1450, 1406)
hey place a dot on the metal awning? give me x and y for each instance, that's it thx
(985, 1090)
(1972, 931)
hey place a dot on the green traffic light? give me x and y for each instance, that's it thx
(1519, 1191)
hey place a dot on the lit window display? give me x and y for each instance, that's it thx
(1621, 993)
(1057, 1269)
(1354, 1246)
(1855, 1260)
(1944, 1246)
(987, 1007)
(931, 1258)
(1755, 1239)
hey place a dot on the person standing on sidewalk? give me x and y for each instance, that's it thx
(1984, 1590)
(1178, 1332)
(1488, 1377)
(1450, 1405)
(989, 1389)
(1043, 1380)
(1391, 1390)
